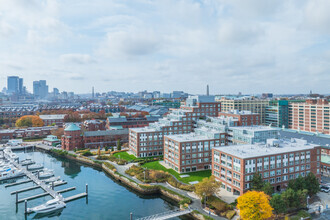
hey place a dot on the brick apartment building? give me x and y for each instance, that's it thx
(75, 138)
(245, 118)
(94, 125)
(278, 161)
(131, 121)
(325, 160)
(312, 116)
(58, 119)
(253, 105)
(191, 152)
(148, 141)
(32, 132)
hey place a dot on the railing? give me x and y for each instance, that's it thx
(167, 215)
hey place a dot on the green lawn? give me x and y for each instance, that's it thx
(193, 176)
(124, 156)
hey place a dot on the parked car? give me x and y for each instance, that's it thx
(325, 189)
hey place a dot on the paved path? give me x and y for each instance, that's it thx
(196, 203)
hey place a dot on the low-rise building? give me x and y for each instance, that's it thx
(277, 161)
(131, 121)
(148, 141)
(94, 125)
(244, 118)
(252, 134)
(57, 120)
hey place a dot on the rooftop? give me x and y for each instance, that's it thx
(257, 150)
(254, 128)
(72, 127)
(187, 137)
(52, 117)
(320, 139)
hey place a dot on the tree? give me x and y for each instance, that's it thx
(118, 144)
(290, 198)
(278, 204)
(207, 186)
(297, 184)
(254, 205)
(58, 132)
(29, 121)
(257, 182)
(72, 117)
(268, 189)
(312, 184)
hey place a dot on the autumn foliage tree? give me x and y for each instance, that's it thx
(58, 132)
(207, 187)
(254, 205)
(29, 121)
(72, 117)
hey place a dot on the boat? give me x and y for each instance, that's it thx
(10, 174)
(6, 168)
(58, 182)
(36, 166)
(49, 206)
(52, 179)
(13, 156)
(27, 162)
(46, 174)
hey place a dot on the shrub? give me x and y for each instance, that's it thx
(173, 182)
(230, 214)
(87, 153)
(110, 166)
(102, 157)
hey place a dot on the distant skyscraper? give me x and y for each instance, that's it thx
(40, 89)
(93, 92)
(207, 90)
(12, 84)
(20, 86)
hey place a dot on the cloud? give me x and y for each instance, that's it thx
(251, 45)
(77, 58)
(130, 43)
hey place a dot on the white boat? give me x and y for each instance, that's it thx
(6, 168)
(36, 166)
(49, 206)
(46, 174)
(10, 174)
(52, 179)
(13, 156)
(27, 162)
(57, 182)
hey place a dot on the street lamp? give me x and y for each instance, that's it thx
(144, 172)
(204, 200)
(307, 200)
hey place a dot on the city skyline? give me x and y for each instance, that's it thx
(251, 47)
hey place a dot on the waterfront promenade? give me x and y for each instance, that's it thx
(196, 202)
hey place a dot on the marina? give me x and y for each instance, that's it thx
(16, 169)
(76, 175)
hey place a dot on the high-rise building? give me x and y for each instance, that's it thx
(253, 105)
(40, 89)
(311, 116)
(20, 86)
(207, 90)
(277, 113)
(13, 84)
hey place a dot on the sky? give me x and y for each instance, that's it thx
(248, 46)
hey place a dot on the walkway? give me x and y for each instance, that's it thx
(195, 205)
(167, 215)
(43, 185)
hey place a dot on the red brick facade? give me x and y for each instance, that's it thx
(246, 119)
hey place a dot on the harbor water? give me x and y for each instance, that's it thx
(107, 198)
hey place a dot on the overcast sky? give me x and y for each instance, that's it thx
(248, 46)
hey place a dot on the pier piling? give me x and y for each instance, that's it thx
(25, 207)
(86, 189)
(16, 197)
(131, 216)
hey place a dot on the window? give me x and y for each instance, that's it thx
(278, 172)
(272, 173)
